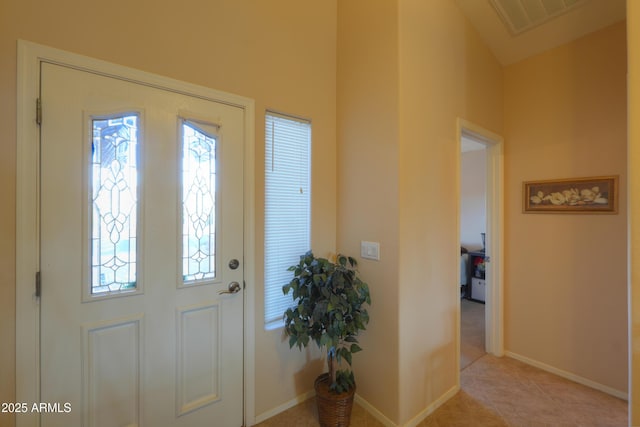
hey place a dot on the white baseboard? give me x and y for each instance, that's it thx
(374, 411)
(429, 409)
(415, 420)
(445, 397)
(286, 405)
(367, 407)
(568, 375)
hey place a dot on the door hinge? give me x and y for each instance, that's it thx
(39, 111)
(38, 284)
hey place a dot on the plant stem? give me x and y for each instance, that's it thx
(332, 368)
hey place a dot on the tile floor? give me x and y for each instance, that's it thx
(306, 415)
(497, 392)
(471, 332)
(505, 392)
(494, 392)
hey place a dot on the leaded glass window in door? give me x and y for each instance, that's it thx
(114, 195)
(198, 203)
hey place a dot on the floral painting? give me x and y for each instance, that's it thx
(576, 195)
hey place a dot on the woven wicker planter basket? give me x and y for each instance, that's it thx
(334, 410)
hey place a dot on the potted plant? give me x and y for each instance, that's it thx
(329, 299)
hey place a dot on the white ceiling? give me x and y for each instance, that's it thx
(559, 28)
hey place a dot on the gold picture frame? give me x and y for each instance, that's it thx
(591, 195)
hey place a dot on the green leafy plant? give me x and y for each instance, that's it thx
(329, 309)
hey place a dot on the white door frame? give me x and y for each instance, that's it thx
(30, 56)
(494, 316)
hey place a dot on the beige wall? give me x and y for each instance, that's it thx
(278, 53)
(399, 91)
(565, 275)
(633, 52)
(439, 82)
(368, 182)
(397, 153)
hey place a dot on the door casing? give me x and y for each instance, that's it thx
(30, 56)
(494, 315)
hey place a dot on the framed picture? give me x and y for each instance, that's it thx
(575, 195)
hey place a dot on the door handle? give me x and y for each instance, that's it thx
(233, 288)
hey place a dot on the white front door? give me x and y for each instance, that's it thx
(141, 240)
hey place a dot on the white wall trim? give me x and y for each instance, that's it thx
(374, 411)
(286, 405)
(27, 232)
(568, 375)
(432, 407)
(249, 263)
(30, 56)
(365, 405)
(495, 244)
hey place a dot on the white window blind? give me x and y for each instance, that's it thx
(287, 207)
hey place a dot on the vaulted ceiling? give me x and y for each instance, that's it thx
(517, 29)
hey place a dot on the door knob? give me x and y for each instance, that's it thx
(233, 288)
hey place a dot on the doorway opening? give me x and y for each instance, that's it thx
(473, 227)
(480, 233)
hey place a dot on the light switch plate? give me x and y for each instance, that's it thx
(370, 250)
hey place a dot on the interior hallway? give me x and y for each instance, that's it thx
(498, 392)
(472, 337)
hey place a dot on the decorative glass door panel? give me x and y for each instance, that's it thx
(114, 201)
(199, 203)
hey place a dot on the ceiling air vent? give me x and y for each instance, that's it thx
(522, 15)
